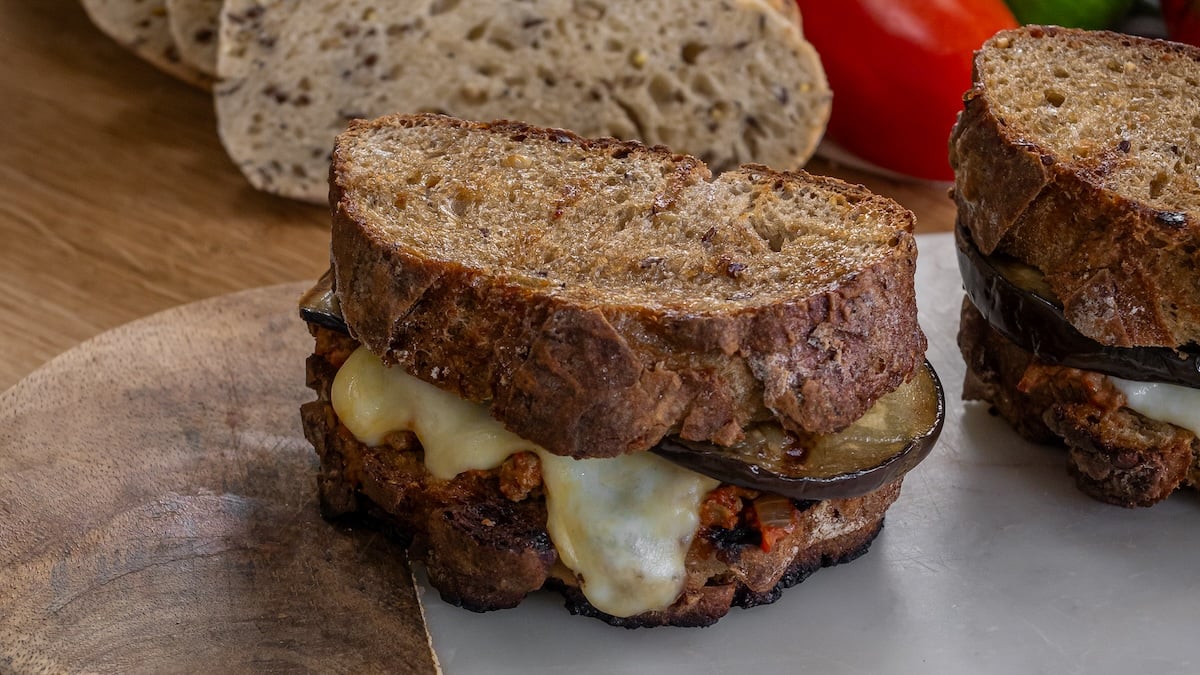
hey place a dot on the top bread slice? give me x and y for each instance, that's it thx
(1079, 153)
(729, 82)
(601, 294)
(141, 26)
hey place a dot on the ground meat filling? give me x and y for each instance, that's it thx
(482, 536)
(521, 476)
(1115, 454)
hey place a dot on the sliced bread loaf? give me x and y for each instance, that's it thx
(141, 26)
(730, 82)
(194, 25)
(602, 294)
(1079, 153)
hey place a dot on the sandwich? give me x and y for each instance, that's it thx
(1077, 182)
(591, 366)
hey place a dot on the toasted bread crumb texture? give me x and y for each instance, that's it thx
(1124, 110)
(1079, 152)
(602, 293)
(731, 82)
(572, 218)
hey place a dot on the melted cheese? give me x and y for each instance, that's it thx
(1163, 402)
(622, 525)
(373, 401)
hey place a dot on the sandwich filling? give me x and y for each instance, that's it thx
(623, 525)
(1169, 403)
(1159, 383)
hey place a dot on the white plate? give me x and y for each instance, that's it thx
(990, 562)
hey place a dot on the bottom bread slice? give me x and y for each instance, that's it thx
(1116, 455)
(482, 535)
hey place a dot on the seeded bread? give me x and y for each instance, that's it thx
(602, 294)
(141, 26)
(1079, 153)
(730, 82)
(482, 536)
(194, 25)
(1115, 454)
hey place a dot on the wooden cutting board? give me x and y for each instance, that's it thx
(158, 510)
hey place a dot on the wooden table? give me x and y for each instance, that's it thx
(117, 199)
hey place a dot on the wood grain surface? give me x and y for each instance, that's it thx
(117, 199)
(158, 511)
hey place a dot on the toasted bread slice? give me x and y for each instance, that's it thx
(482, 535)
(1079, 153)
(731, 82)
(602, 294)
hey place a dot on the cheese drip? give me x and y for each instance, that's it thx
(622, 525)
(1170, 403)
(373, 401)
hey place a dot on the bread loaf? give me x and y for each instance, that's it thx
(729, 82)
(194, 26)
(141, 26)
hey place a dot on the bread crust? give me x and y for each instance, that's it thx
(590, 377)
(1124, 269)
(485, 546)
(1115, 454)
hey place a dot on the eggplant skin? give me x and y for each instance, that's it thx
(319, 305)
(1038, 325)
(718, 463)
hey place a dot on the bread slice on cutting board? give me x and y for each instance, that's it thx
(729, 82)
(142, 27)
(194, 25)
